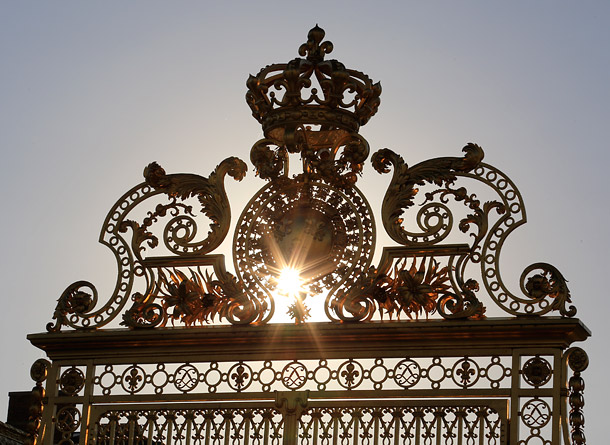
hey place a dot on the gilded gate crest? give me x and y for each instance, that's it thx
(309, 235)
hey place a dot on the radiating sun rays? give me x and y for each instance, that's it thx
(289, 282)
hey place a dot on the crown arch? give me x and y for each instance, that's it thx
(408, 352)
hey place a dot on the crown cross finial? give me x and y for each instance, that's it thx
(315, 50)
(311, 94)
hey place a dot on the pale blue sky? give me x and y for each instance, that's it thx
(92, 92)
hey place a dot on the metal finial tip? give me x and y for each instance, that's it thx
(314, 49)
(316, 34)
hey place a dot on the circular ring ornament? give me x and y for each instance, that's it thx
(537, 371)
(133, 379)
(407, 373)
(324, 232)
(465, 372)
(213, 377)
(536, 413)
(350, 374)
(577, 359)
(322, 375)
(239, 376)
(294, 375)
(68, 419)
(186, 378)
(40, 370)
(72, 381)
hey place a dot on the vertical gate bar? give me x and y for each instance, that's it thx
(170, 431)
(461, 428)
(316, 423)
(112, 430)
(93, 437)
(207, 430)
(87, 394)
(150, 431)
(376, 429)
(417, 428)
(266, 434)
(335, 430)
(438, 428)
(247, 431)
(132, 422)
(563, 405)
(355, 420)
(189, 429)
(556, 403)
(481, 429)
(227, 431)
(396, 429)
(514, 396)
(48, 412)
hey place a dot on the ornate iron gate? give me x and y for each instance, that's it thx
(409, 355)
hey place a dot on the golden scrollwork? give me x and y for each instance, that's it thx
(316, 222)
(402, 190)
(77, 306)
(408, 355)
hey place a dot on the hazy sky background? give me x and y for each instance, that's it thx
(90, 93)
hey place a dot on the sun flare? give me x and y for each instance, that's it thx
(289, 282)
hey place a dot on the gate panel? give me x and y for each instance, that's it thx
(180, 425)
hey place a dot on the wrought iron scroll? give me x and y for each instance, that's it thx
(78, 305)
(488, 223)
(543, 286)
(402, 191)
(314, 108)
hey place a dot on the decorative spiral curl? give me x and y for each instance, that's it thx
(461, 305)
(402, 190)
(547, 289)
(144, 314)
(73, 303)
(179, 233)
(269, 162)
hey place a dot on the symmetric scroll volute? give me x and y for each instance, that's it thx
(488, 224)
(181, 231)
(270, 159)
(314, 222)
(402, 191)
(334, 157)
(77, 306)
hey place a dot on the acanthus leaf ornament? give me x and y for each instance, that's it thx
(211, 194)
(411, 291)
(193, 299)
(548, 283)
(77, 308)
(402, 189)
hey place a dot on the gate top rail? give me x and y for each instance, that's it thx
(313, 340)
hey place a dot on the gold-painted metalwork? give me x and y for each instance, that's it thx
(409, 355)
(313, 92)
(315, 221)
(578, 362)
(38, 372)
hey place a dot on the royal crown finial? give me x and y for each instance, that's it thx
(313, 49)
(310, 98)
